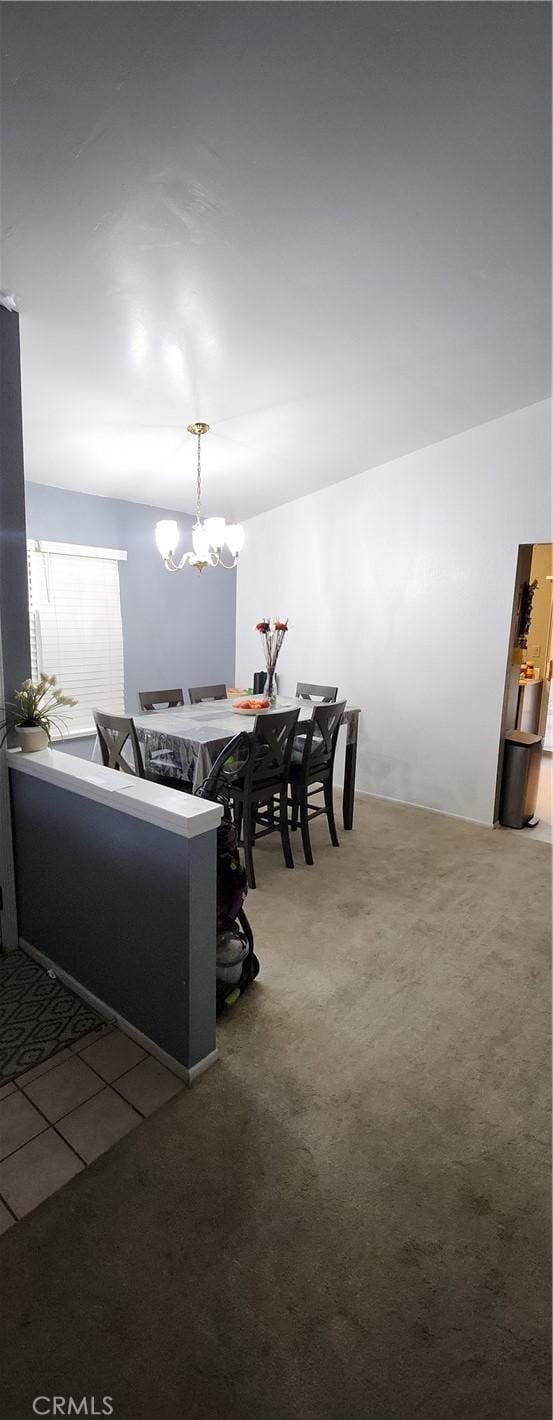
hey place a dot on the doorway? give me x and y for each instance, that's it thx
(528, 703)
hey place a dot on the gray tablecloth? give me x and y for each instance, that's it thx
(184, 743)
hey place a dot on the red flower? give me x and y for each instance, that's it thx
(262, 626)
(281, 625)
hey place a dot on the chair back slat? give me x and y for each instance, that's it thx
(325, 693)
(197, 693)
(326, 722)
(317, 740)
(273, 739)
(115, 733)
(150, 698)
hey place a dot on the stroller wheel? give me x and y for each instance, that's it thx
(233, 997)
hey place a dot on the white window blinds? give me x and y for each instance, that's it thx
(76, 632)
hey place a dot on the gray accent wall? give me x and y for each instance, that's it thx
(15, 651)
(13, 552)
(126, 908)
(178, 628)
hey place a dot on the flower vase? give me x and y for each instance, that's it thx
(270, 687)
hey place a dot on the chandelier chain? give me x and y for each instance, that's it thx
(199, 483)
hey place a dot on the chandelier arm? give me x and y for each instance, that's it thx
(206, 560)
(172, 566)
(228, 566)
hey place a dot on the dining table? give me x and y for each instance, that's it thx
(183, 743)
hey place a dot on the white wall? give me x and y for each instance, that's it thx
(398, 585)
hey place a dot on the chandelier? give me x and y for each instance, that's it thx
(209, 536)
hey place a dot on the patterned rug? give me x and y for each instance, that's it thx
(38, 1016)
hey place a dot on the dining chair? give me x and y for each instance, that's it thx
(169, 698)
(162, 765)
(315, 694)
(312, 771)
(264, 786)
(115, 733)
(197, 693)
(326, 694)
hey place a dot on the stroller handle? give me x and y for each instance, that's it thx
(229, 766)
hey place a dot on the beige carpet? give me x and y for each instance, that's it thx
(348, 1216)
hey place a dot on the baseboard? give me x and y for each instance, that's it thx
(410, 804)
(186, 1073)
(202, 1065)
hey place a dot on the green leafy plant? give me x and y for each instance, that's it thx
(36, 707)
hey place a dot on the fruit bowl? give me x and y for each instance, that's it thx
(251, 705)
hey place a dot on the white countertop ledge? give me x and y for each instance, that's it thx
(153, 803)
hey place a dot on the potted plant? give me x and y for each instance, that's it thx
(34, 713)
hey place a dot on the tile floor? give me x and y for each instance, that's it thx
(63, 1114)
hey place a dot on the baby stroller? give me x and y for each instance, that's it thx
(237, 964)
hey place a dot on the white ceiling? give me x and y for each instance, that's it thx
(322, 228)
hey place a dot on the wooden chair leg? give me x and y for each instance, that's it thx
(329, 806)
(305, 835)
(238, 815)
(295, 809)
(284, 831)
(249, 832)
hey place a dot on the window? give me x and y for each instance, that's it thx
(76, 632)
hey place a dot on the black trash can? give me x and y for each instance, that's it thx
(519, 783)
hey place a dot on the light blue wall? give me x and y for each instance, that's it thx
(178, 629)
